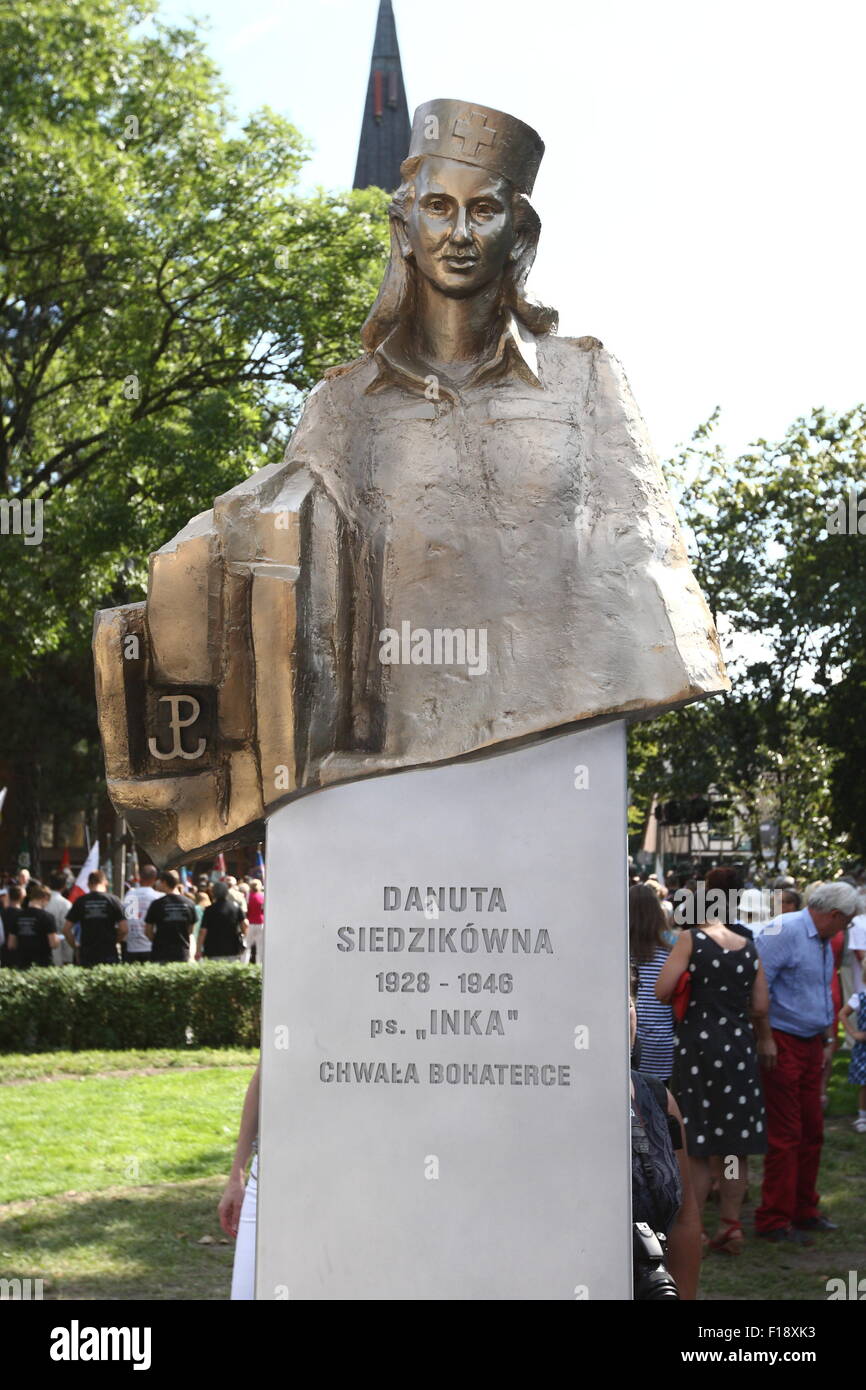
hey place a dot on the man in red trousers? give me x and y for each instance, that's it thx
(798, 962)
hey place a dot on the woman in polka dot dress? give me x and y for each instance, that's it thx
(723, 1036)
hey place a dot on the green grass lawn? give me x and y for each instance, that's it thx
(107, 1131)
(121, 1243)
(112, 1167)
(766, 1271)
(44, 1066)
(113, 1163)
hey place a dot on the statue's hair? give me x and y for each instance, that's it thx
(396, 296)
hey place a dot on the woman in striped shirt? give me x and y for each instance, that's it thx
(649, 951)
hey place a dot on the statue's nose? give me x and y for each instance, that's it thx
(461, 227)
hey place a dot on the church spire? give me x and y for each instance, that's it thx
(385, 128)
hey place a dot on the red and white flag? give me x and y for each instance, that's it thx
(90, 865)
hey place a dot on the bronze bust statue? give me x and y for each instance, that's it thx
(470, 542)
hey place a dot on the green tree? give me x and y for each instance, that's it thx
(166, 300)
(845, 734)
(794, 593)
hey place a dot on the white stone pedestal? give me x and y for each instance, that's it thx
(442, 1118)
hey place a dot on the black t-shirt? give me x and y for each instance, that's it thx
(32, 930)
(98, 915)
(173, 917)
(9, 916)
(222, 921)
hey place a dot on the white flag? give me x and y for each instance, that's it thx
(90, 865)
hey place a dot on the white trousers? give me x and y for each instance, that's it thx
(244, 1272)
(254, 937)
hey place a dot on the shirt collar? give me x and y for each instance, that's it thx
(515, 354)
(811, 929)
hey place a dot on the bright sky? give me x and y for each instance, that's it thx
(702, 191)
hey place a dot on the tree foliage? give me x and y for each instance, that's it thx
(789, 596)
(166, 299)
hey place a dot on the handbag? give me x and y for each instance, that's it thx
(681, 997)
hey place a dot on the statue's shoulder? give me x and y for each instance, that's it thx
(330, 406)
(575, 354)
(349, 377)
(585, 344)
(585, 363)
(337, 387)
(345, 368)
(570, 365)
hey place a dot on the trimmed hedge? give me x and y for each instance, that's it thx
(67, 1008)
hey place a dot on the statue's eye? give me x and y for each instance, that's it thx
(484, 211)
(436, 205)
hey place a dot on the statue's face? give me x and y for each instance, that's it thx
(460, 229)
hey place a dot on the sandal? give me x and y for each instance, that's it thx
(729, 1241)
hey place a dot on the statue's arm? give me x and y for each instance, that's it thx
(219, 695)
(633, 538)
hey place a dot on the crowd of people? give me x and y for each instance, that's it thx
(161, 919)
(737, 1022)
(736, 1015)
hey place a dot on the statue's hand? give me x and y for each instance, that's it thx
(205, 691)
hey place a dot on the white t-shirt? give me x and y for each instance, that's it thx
(135, 906)
(857, 942)
(59, 908)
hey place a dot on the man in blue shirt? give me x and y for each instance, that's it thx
(798, 963)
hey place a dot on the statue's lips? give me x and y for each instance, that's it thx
(460, 262)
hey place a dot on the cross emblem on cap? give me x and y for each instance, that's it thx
(471, 130)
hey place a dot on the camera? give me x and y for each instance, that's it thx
(651, 1278)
